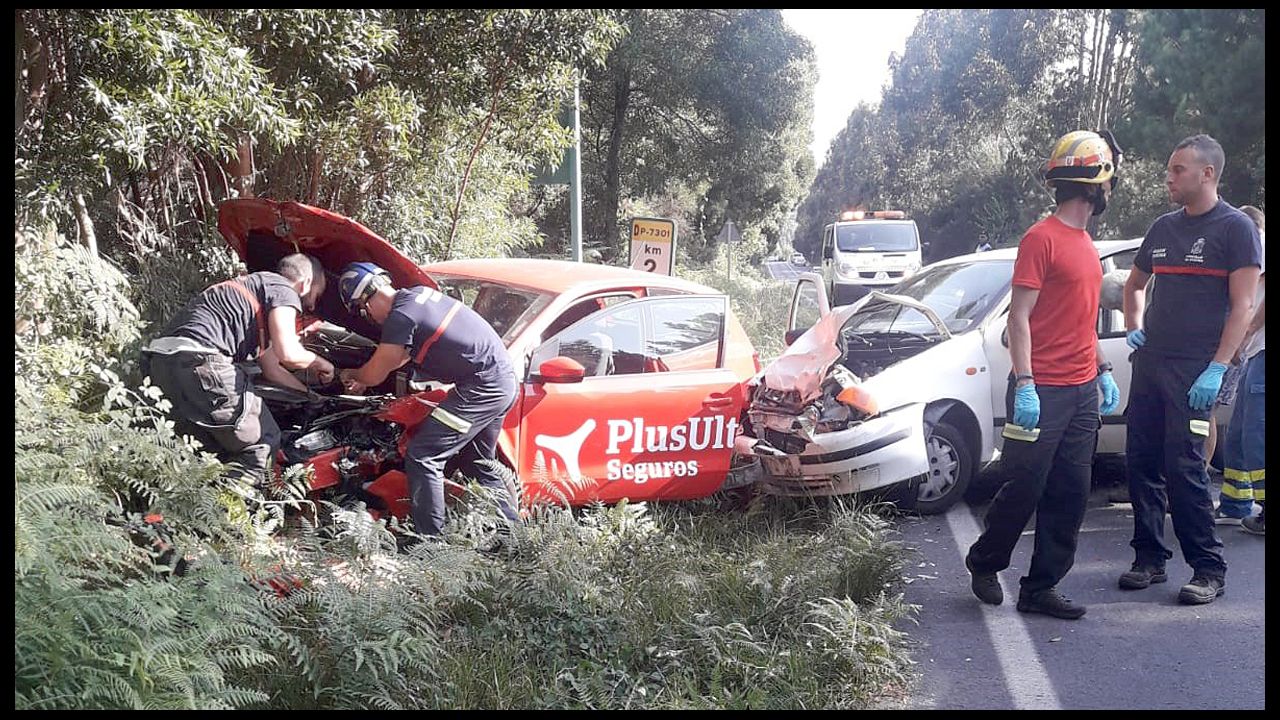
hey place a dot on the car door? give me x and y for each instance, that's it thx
(1111, 335)
(828, 256)
(809, 302)
(653, 419)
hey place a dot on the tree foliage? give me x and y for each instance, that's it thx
(713, 106)
(977, 97)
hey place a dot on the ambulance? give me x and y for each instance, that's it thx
(865, 251)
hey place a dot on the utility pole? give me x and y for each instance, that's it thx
(575, 180)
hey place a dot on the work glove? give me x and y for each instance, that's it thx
(1136, 338)
(1205, 389)
(1110, 393)
(1026, 407)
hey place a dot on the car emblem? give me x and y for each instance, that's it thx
(882, 275)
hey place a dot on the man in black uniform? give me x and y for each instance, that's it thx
(452, 344)
(1206, 260)
(198, 361)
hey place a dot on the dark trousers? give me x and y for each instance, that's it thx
(213, 401)
(468, 426)
(1245, 451)
(1165, 433)
(1048, 476)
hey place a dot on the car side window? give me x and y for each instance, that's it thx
(609, 342)
(686, 334)
(581, 309)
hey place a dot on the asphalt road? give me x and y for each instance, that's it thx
(785, 270)
(1134, 649)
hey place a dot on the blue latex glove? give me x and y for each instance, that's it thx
(1026, 407)
(1136, 338)
(1110, 393)
(1205, 389)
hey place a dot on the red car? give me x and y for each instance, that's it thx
(632, 383)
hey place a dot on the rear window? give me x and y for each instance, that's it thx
(508, 309)
(877, 237)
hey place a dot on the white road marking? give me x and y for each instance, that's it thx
(1024, 675)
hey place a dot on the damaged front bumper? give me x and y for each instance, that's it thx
(883, 450)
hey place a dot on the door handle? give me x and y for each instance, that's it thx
(717, 402)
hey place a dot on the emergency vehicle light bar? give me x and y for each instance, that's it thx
(873, 215)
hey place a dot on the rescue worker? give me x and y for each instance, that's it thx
(449, 342)
(200, 360)
(1205, 259)
(1244, 448)
(1053, 394)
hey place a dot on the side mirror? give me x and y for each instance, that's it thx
(561, 369)
(826, 252)
(791, 335)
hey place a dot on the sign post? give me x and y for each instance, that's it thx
(729, 235)
(653, 245)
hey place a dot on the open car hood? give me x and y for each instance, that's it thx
(262, 231)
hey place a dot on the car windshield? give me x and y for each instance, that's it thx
(876, 237)
(508, 309)
(960, 295)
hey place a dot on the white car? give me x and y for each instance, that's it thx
(799, 259)
(907, 385)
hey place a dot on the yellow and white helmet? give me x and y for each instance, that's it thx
(1083, 156)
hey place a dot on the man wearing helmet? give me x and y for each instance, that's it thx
(452, 344)
(1205, 259)
(199, 361)
(1053, 393)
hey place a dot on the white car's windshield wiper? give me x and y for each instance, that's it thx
(896, 333)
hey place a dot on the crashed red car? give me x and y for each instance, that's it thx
(631, 383)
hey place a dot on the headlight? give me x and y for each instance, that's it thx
(847, 268)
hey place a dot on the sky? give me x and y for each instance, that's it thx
(852, 48)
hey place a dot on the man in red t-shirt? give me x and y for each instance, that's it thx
(1052, 398)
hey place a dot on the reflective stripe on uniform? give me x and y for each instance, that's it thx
(1244, 475)
(1237, 493)
(450, 420)
(1200, 427)
(1015, 432)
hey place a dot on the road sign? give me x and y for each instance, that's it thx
(653, 245)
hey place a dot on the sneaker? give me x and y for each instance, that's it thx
(1050, 602)
(1140, 576)
(1202, 589)
(985, 586)
(1255, 525)
(1223, 518)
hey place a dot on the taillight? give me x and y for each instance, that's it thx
(755, 358)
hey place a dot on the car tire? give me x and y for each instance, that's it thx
(950, 470)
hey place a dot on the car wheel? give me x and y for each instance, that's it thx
(950, 470)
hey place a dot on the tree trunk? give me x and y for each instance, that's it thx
(1108, 63)
(244, 165)
(313, 184)
(204, 201)
(85, 223)
(1091, 100)
(613, 164)
(19, 31)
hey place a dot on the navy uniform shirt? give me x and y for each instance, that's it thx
(1191, 259)
(447, 339)
(222, 318)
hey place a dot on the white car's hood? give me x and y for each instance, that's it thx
(804, 365)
